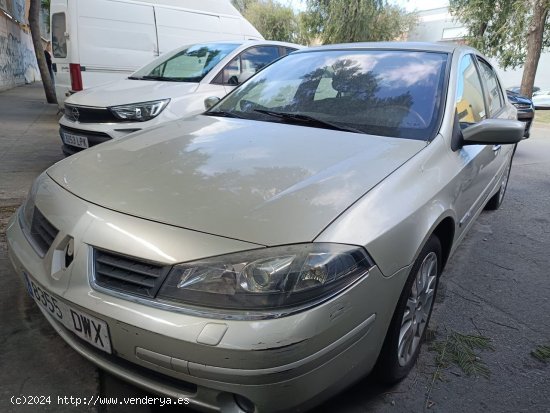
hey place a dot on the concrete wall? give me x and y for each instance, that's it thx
(17, 60)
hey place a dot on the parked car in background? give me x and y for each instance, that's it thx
(266, 254)
(98, 41)
(169, 87)
(542, 100)
(517, 89)
(526, 110)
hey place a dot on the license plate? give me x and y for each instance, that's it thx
(75, 140)
(85, 326)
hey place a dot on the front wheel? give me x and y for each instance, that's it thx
(411, 316)
(496, 201)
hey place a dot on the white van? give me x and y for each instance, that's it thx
(98, 41)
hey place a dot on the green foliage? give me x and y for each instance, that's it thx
(498, 28)
(460, 350)
(45, 5)
(542, 353)
(273, 20)
(241, 5)
(342, 21)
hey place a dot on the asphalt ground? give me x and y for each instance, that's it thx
(497, 287)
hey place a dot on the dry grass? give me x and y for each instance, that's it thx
(542, 117)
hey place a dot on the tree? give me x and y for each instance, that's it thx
(273, 20)
(242, 5)
(34, 24)
(515, 32)
(46, 7)
(341, 21)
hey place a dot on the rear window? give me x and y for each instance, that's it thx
(59, 42)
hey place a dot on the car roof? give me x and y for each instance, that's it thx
(414, 46)
(241, 42)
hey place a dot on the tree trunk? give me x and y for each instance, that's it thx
(34, 18)
(534, 45)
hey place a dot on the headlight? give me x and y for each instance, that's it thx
(140, 112)
(522, 106)
(27, 210)
(268, 278)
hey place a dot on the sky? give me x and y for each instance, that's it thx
(409, 5)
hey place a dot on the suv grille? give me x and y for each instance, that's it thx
(88, 114)
(42, 232)
(128, 274)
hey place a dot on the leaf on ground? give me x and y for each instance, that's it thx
(542, 353)
(461, 350)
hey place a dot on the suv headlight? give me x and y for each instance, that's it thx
(27, 209)
(268, 278)
(139, 112)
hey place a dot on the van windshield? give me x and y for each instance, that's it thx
(190, 64)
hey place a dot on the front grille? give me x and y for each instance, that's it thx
(42, 232)
(87, 114)
(522, 106)
(128, 274)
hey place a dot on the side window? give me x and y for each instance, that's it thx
(59, 42)
(288, 50)
(470, 104)
(496, 99)
(246, 64)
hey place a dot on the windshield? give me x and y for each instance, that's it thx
(382, 92)
(190, 64)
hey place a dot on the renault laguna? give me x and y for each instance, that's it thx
(266, 254)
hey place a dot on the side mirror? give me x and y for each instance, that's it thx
(211, 101)
(493, 132)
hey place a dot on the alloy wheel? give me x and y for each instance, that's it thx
(418, 309)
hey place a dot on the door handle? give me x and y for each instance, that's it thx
(496, 149)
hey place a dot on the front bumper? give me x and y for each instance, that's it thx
(97, 133)
(526, 116)
(279, 364)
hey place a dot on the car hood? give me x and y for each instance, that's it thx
(130, 91)
(517, 98)
(261, 182)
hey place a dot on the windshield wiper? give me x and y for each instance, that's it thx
(135, 78)
(164, 79)
(299, 118)
(224, 113)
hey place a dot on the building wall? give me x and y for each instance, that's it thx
(17, 60)
(438, 25)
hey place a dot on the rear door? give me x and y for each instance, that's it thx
(60, 28)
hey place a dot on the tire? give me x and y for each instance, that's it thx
(398, 356)
(496, 200)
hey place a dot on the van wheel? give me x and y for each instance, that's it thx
(410, 319)
(496, 201)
